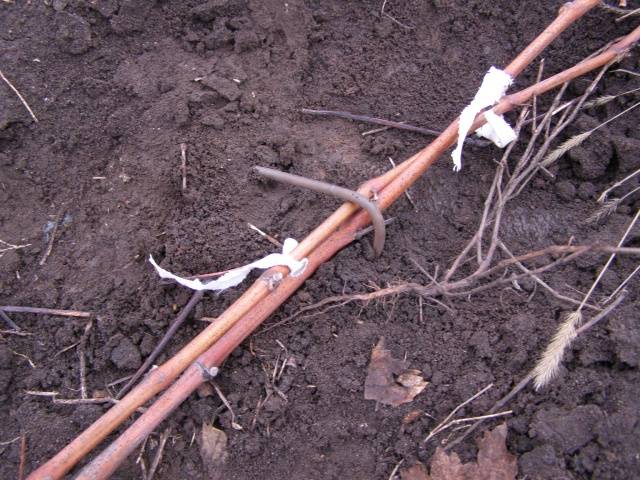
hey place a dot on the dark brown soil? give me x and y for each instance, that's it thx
(113, 84)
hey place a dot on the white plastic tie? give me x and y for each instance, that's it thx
(493, 87)
(237, 275)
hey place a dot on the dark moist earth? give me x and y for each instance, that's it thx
(118, 85)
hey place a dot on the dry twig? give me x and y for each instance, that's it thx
(180, 319)
(52, 237)
(446, 422)
(6, 247)
(23, 456)
(83, 361)
(603, 196)
(158, 457)
(183, 166)
(15, 90)
(45, 311)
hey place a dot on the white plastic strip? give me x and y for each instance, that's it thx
(496, 129)
(493, 87)
(237, 275)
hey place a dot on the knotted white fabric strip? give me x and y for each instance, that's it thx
(496, 129)
(493, 87)
(237, 275)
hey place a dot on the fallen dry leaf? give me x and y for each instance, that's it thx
(494, 462)
(381, 384)
(213, 449)
(449, 467)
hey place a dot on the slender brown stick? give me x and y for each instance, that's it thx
(372, 120)
(52, 238)
(45, 311)
(250, 304)
(156, 460)
(83, 360)
(183, 166)
(386, 123)
(24, 102)
(177, 323)
(23, 456)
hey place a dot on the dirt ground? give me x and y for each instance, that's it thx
(117, 85)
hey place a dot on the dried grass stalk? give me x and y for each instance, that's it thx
(549, 364)
(573, 142)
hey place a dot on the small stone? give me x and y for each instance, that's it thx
(227, 88)
(266, 155)
(74, 34)
(587, 191)
(628, 152)
(566, 431)
(566, 190)
(126, 355)
(180, 114)
(541, 463)
(106, 8)
(212, 119)
(383, 28)
(239, 23)
(147, 344)
(230, 107)
(626, 336)
(209, 10)
(248, 102)
(60, 5)
(132, 16)
(245, 40)
(203, 98)
(587, 163)
(220, 36)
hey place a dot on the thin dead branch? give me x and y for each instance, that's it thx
(372, 120)
(52, 237)
(177, 323)
(446, 422)
(23, 456)
(83, 360)
(7, 247)
(19, 95)
(264, 235)
(183, 165)
(158, 456)
(45, 311)
(603, 196)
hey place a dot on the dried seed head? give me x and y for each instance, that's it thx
(549, 364)
(573, 142)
